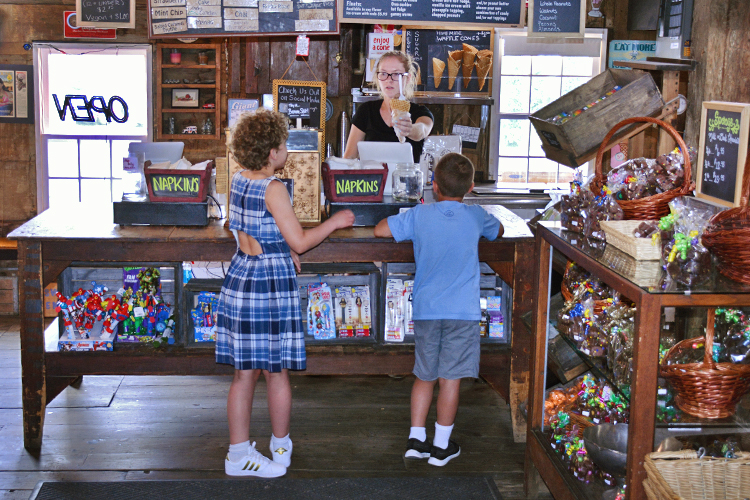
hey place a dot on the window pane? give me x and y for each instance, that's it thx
(63, 192)
(512, 169)
(62, 158)
(571, 83)
(515, 65)
(95, 158)
(577, 66)
(544, 90)
(116, 190)
(96, 191)
(514, 137)
(514, 94)
(566, 174)
(546, 65)
(119, 151)
(535, 143)
(542, 170)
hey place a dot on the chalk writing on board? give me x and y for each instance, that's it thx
(445, 11)
(187, 186)
(721, 154)
(106, 11)
(557, 16)
(359, 185)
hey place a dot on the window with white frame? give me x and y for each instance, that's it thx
(531, 74)
(93, 101)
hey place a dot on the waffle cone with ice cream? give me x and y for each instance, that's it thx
(399, 107)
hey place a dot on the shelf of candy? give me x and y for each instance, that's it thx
(642, 177)
(204, 317)
(581, 210)
(321, 323)
(353, 316)
(398, 309)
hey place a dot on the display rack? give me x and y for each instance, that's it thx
(208, 78)
(649, 301)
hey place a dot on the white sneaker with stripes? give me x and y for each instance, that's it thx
(253, 464)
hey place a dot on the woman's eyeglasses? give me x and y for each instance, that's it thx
(383, 76)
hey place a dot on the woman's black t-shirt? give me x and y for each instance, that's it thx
(368, 120)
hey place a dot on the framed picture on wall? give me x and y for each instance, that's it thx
(185, 98)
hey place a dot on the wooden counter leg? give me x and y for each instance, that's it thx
(643, 393)
(520, 348)
(32, 342)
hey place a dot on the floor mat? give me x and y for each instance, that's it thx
(413, 488)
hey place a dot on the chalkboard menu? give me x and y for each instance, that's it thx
(723, 150)
(557, 18)
(451, 60)
(222, 18)
(434, 12)
(303, 100)
(106, 13)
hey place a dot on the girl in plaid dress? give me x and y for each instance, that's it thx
(259, 322)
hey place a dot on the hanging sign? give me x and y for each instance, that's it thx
(106, 13)
(73, 30)
(557, 18)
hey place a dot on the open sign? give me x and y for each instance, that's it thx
(115, 109)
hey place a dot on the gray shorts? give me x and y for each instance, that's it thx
(446, 348)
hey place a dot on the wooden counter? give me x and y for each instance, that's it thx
(55, 239)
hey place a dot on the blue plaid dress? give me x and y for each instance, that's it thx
(259, 321)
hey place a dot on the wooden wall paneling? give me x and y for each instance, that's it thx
(235, 70)
(332, 68)
(251, 81)
(286, 66)
(262, 69)
(620, 21)
(346, 49)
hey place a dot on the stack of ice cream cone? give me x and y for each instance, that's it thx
(455, 58)
(469, 52)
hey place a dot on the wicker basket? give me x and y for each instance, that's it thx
(728, 236)
(683, 476)
(620, 234)
(652, 207)
(707, 389)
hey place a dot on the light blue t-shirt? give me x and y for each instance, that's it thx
(445, 237)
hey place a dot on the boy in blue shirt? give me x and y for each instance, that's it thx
(446, 308)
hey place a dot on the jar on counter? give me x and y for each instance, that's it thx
(408, 183)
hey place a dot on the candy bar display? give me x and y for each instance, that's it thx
(564, 117)
(321, 323)
(395, 330)
(204, 317)
(353, 317)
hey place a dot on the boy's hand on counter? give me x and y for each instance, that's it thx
(342, 219)
(382, 230)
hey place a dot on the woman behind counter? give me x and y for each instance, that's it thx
(373, 120)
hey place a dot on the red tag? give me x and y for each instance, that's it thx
(303, 45)
(73, 31)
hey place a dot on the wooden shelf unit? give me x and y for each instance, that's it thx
(208, 92)
(650, 301)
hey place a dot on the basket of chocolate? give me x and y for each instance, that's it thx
(727, 236)
(709, 388)
(643, 187)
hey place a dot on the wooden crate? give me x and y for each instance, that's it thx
(576, 141)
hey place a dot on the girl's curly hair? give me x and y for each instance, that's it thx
(255, 135)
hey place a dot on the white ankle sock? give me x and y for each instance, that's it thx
(418, 433)
(237, 451)
(280, 442)
(442, 435)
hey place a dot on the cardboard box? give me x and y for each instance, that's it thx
(577, 140)
(50, 298)
(89, 342)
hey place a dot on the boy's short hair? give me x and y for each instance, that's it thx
(255, 135)
(454, 175)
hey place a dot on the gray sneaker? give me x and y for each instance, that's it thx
(418, 449)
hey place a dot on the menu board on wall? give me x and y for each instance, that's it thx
(557, 18)
(474, 13)
(451, 60)
(222, 18)
(723, 150)
(105, 13)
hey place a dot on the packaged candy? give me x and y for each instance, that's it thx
(353, 317)
(394, 311)
(321, 323)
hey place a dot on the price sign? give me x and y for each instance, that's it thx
(106, 13)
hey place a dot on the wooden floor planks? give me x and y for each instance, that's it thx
(114, 428)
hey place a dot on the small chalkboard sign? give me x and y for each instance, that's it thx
(557, 18)
(295, 96)
(105, 13)
(176, 185)
(297, 109)
(357, 185)
(722, 151)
